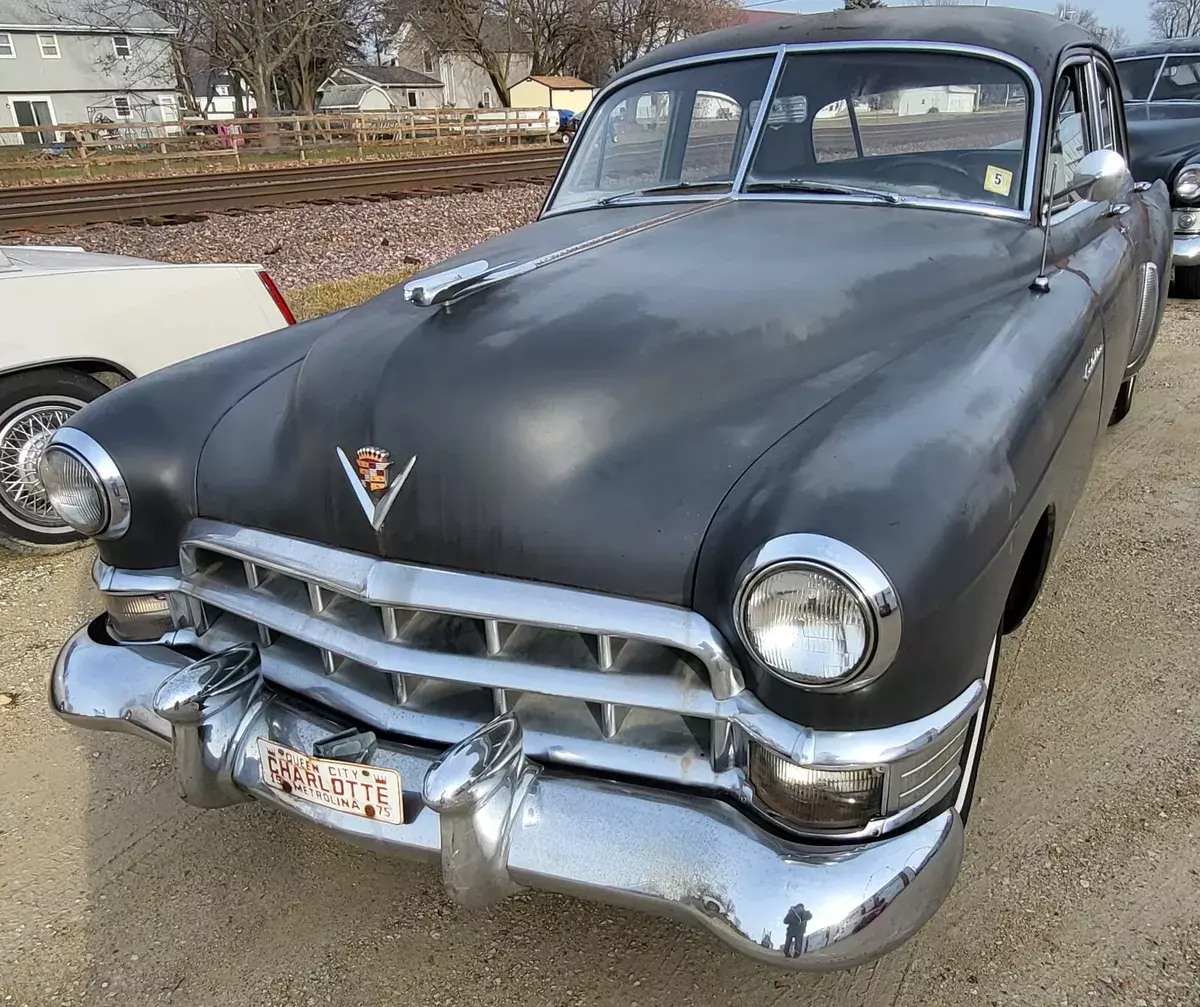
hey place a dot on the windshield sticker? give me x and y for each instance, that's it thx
(998, 180)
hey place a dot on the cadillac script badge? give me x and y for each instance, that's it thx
(369, 474)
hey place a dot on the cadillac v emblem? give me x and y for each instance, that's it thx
(369, 474)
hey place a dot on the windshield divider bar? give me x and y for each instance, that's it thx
(854, 125)
(760, 122)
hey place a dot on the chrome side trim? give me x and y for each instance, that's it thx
(100, 461)
(497, 823)
(860, 573)
(1148, 319)
(1028, 210)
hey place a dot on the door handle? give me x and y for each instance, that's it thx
(1118, 209)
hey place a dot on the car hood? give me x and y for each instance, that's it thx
(582, 423)
(1161, 134)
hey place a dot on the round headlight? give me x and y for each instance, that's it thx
(817, 613)
(807, 624)
(84, 485)
(1187, 183)
(75, 490)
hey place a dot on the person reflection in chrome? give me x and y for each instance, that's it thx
(797, 921)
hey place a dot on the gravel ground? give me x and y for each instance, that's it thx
(1081, 884)
(312, 244)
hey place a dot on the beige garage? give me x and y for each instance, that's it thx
(568, 93)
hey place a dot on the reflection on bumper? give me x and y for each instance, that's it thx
(498, 822)
(1186, 250)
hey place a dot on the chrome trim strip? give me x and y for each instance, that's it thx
(496, 821)
(859, 572)
(1028, 210)
(922, 202)
(99, 461)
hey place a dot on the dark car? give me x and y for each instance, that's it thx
(658, 552)
(1161, 82)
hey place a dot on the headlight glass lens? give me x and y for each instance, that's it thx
(74, 490)
(806, 625)
(1187, 183)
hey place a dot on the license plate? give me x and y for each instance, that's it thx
(365, 791)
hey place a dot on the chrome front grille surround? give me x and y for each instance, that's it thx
(638, 689)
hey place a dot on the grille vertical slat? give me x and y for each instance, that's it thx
(318, 597)
(496, 635)
(253, 575)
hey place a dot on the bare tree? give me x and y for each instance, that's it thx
(1175, 18)
(1110, 37)
(863, 4)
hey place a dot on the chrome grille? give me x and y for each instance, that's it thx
(1147, 313)
(424, 653)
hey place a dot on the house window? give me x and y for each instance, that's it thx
(121, 105)
(412, 99)
(6, 46)
(221, 90)
(486, 99)
(169, 107)
(49, 46)
(428, 61)
(121, 48)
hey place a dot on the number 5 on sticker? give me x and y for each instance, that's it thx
(998, 180)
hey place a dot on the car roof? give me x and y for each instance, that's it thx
(1163, 47)
(1035, 38)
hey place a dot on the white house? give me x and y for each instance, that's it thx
(466, 83)
(66, 63)
(400, 87)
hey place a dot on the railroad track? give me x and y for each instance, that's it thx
(36, 208)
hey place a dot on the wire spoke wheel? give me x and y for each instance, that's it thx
(25, 431)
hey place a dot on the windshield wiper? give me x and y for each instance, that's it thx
(651, 189)
(815, 185)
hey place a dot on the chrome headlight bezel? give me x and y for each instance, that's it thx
(861, 577)
(104, 472)
(1187, 183)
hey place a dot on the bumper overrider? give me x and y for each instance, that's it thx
(499, 822)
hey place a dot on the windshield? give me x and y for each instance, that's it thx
(865, 123)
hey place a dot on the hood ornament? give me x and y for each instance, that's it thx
(369, 474)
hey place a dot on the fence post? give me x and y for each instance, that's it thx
(83, 154)
(299, 136)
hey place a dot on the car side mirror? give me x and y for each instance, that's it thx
(1101, 177)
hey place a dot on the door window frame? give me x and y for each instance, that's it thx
(1100, 69)
(1086, 61)
(11, 101)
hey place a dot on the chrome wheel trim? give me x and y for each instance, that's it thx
(24, 432)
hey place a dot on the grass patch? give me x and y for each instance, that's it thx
(322, 298)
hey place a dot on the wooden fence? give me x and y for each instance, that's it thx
(65, 151)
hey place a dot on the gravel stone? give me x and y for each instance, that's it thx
(307, 244)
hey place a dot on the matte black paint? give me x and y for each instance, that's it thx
(1163, 137)
(640, 417)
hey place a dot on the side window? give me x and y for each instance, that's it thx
(713, 134)
(1137, 77)
(1180, 79)
(1109, 112)
(1069, 137)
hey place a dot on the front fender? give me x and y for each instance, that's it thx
(937, 468)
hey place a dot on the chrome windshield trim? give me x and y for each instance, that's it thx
(1033, 118)
(956, 206)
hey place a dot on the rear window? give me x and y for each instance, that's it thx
(1137, 76)
(1180, 80)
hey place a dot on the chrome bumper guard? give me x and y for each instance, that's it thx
(499, 822)
(1186, 249)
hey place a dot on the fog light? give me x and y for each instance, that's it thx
(136, 618)
(818, 799)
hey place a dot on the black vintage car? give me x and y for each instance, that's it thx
(661, 551)
(1161, 83)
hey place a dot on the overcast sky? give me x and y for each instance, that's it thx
(1131, 14)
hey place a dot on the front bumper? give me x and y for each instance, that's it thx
(1186, 249)
(498, 822)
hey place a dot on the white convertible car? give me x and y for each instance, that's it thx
(74, 324)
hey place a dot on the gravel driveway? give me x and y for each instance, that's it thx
(1081, 884)
(312, 244)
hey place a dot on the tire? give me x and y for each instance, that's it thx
(1187, 282)
(1124, 401)
(32, 406)
(965, 796)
